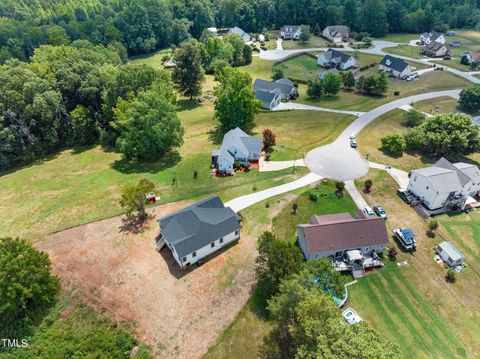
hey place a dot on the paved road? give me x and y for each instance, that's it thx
(248, 200)
(300, 106)
(340, 162)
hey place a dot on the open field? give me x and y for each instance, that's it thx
(400, 38)
(82, 185)
(413, 304)
(314, 42)
(414, 52)
(444, 105)
(302, 67)
(350, 100)
(243, 337)
(300, 131)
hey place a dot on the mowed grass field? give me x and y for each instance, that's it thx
(314, 42)
(400, 38)
(412, 303)
(301, 67)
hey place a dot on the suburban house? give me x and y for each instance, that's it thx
(450, 254)
(395, 67)
(469, 57)
(334, 58)
(435, 49)
(283, 87)
(336, 33)
(236, 30)
(428, 37)
(268, 100)
(239, 147)
(198, 230)
(445, 184)
(290, 32)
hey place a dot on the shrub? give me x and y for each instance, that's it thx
(195, 174)
(451, 276)
(470, 98)
(313, 196)
(294, 208)
(368, 185)
(340, 186)
(392, 254)
(413, 118)
(396, 93)
(394, 144)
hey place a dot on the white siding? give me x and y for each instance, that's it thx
(422, 187)
(341, 253)
(349, 64)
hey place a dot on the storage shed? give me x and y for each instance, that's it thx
(449, 254)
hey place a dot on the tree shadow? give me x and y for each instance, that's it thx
(185, 104)
(130, 166)
(216, 135)
(76, 150)
(132, 224)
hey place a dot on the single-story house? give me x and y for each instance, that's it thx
(445, 184)
(395, 67)
(334, 58)
(236, 30)
(290, 32)
(456, 44)
(333, 235)
(283, 87)
(198, 230)
(435, 49)
(428, 37)
(239, 147)
(268, 100)
(450, 254)
(336, 33)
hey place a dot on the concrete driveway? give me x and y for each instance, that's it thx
(300, 106)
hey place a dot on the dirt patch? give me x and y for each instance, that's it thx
(122, 274)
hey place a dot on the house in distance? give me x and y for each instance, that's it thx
(198, 230)
(336, 59)
(428, 37)
(336, 33)
(394, 66)
(290, 32)
(265, 91)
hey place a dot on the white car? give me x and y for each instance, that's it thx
(352, 136)
(351, 316)
(413, 76)
(368, 212)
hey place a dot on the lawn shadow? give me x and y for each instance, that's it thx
(216, 135)
(186, 104)
(130, 166)
(76, 150)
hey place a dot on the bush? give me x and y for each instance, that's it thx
(470, 98)
(413, 118)
(340, 186)
(396, 93)
(394, 144)
(368, 185)
(392, 254)
(451, 276)
(313, 197)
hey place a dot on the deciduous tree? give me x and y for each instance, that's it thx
(189, 74)
(133, 198)
(470, 98)
(394, 144)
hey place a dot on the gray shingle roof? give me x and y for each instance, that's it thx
(394, 63)
(469, 170)
(195, 226)
(443, 180)
(242, 142)
(336, 56)
(239, 31)
(434, 46)
(269, 86)
(444, 163)
(336, 30)
(264, 96)
(290, 29)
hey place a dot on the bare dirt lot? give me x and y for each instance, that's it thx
(179, 313)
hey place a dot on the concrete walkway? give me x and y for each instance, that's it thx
(268, 166)
(248, 200)
(401, 177)
(355, 194)
(279, 44)
(300, 106)
(409, 107)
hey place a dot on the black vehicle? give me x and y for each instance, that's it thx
(407, 197)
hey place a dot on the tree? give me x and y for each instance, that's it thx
(392, 254)
(340, 186)
(374, 19)
(236, 105)
(350, 13)
(27, 288)
(381, 84)
(368, 185)
(294, 208)
(133, 198)
(348, 79)
(247, 54)
(413, 118)
(394, 144)
(277, 73)
(147, 125)
(276, 260)
(470, 98)
(451, 276)
(305, 33)
(315, 88)
(189, 74)
(432, 226)
(316, 30)
(237, 43)
(269, 139)
(331, 84)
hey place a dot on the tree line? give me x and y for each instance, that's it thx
(146, 25)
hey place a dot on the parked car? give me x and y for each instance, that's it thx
(406, 237)
(447, 57)
(413, 76)
(352, 136)
(407, 197)
(380, 211)
(353, 142)
(351, 316)
(368, 212)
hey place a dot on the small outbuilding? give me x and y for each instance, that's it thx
(450, 254)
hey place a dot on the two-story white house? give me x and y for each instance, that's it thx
(290, 32)
(336, 59)
(198, 230)
(445, 184)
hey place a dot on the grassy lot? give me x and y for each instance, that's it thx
(153, 59)
(412, 304)
(261, 69)
(350, 100)
(302, 67)
(470, 42)
(81, 185)
(400, 38)
(445, 105)
(300, 131)
(314, 42)
(406, 50)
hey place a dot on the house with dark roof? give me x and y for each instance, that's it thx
(239, 147)
(198, 230)
(336, 33)
(428, 37)
(395, 67)
(290, 32)
(445, 184)
(336, 59)
(283, 88)
(335, 235)
(236, 30)
(435, 49)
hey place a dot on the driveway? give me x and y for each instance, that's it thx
(268, 166)
(401, 177)
(355, 194)
(300, 106)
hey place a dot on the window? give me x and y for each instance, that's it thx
(237, 232)
(221, 240)
(194, 254)
(184, 259)
(212, 244)
(338, 254)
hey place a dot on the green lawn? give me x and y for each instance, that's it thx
(153, 59)
(406, 50)
(314, 42)
(437, 105)
(470, 40)
(400, 38)
(302, 67)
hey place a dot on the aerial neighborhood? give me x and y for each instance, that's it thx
(217, 179)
